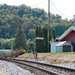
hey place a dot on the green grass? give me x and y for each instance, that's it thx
(63, 53)
(55, 53)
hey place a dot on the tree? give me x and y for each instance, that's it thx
(49, 43)
(30, 47)
(53, 32)
(31, 34)
(45, 40)
(39, 42)
(20, 41)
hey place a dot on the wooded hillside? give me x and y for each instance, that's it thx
(12, 16)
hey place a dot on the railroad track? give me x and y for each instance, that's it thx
(42, 68)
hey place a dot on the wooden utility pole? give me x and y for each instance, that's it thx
(74, 20)
(48, 22)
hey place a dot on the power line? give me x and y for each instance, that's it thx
(53, 10)
(44, 5)
(38, 3)
(58, 10)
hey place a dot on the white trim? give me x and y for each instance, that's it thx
(61, 43)
(67, 32)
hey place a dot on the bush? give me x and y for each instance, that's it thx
(22, 52)
(4, 55)
(16, 53)
(13, 54)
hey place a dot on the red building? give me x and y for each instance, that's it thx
(69, 35)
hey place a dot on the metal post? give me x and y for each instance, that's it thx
(48, 21)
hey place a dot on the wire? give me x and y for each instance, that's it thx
(39, 3)
(44, 5)
(53, 10)
(59, 11)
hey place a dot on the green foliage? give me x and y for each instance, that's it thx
(6, 43)
(45, 40)
(39, 45)
(22, 51)
(30, 47)
(31, 34)
(39, 42)
(54, 35)
(20, 41)
(63, 53)
(12, 54)
(42, 44)
(50, 37)
(12, 16)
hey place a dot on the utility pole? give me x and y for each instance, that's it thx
(48, 22)
(74, 20)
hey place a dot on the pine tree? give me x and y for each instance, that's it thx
(54, 35)
(49, 43)
(39, 42)
(45, 36)
(20, 41)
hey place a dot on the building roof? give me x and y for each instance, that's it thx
(61, 43)
(67, 32)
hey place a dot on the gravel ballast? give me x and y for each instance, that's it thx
(7, 68)
(3, 71)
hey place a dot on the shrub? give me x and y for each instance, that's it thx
(13, 54)
(16, 53)
(22, 52)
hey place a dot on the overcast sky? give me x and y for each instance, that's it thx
(65, 8)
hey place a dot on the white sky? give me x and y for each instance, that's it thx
(65, 8)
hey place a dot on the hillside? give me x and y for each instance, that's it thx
(12, 16)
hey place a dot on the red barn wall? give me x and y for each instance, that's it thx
(70, 37)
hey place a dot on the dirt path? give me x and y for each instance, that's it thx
(51, 58)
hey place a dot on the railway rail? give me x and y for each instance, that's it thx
(40, 68)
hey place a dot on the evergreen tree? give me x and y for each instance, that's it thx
(20, 41)
(36, 32)
(45, 40)
(54, 35)
(49, 43)
(39, 42)
(42, 44)
(50, 37)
